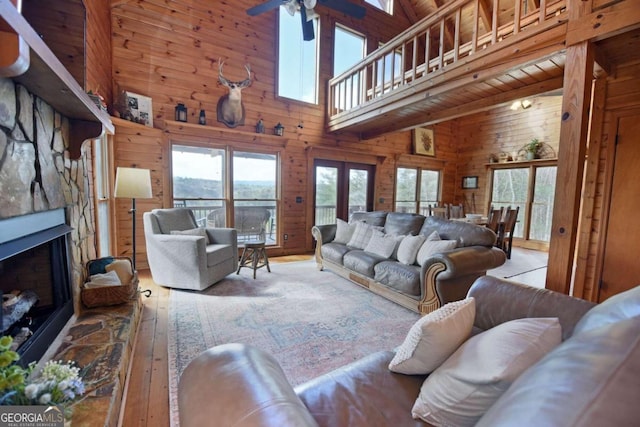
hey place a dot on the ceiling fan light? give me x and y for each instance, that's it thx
(291, 7)
(526, 104)
(515, 105)
(311, 14)
(309, 4)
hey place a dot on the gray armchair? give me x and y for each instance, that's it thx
(183, 256)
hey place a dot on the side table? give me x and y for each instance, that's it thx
(254, 255)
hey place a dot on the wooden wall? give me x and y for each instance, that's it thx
(501, 130)
(98, 48)
(170, 51)
(621, 93)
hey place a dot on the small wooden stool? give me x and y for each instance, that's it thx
(254, 255)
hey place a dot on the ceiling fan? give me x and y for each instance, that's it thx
(306, 11)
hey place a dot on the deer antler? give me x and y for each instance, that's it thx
(221, 77)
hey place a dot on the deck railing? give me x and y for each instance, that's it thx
(432, 44)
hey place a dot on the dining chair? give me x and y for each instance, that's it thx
(456, 211)
(494, 219)
(508, 228)
(442, 211)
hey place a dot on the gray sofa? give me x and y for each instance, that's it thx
(445, 277)
(591, 379)
(182, 255)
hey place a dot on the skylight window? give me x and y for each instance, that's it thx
(384, 5)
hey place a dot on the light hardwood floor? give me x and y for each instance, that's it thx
(147, 393)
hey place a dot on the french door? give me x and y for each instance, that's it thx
(341, 188)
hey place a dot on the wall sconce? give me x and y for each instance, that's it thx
(260, 126)
(181, 113)
(278, 129)
(523, 103)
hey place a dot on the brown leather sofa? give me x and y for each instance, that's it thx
(591, 379)
(443, 278)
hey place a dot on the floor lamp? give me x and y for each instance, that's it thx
(134, 184)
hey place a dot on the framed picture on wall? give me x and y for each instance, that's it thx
(138, 108)
(423, 142)
(469, 182)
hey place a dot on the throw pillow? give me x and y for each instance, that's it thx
(381, 244)
(433, 338)
(480, 370)
(361, 235)
(344, 231)
(99, 266)
(430, 247)
(193, 232)
(409, 247)
(122, 267)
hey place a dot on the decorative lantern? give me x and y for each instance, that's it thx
(278, 129)
(181, 113)
(203, 118)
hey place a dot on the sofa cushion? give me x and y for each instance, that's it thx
(218, 253)
(193, 232)
(174, 219)
(460, 391)
(465, 233)
(409, 247)
(382, 244)
(589, 380)
(361, 235)
(344, 231)
(361, 262)
(400, 277)
(433, 338)
(334, 252)
(621, 306)
(376, 218)
(403, 223)
(359, 394)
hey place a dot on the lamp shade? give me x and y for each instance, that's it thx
(133, 183)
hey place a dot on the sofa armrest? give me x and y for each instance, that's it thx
(323, 234)
(499, 301)
(238, 385)
(448, 276)
(225, 236)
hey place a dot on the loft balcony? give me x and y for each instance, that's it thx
(468, 56)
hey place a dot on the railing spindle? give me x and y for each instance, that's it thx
(427, 48)
(516, 17)
(543, 11)
(476, 18)
(494, 23)
(441, 47)
(415, 58)
(456, 37)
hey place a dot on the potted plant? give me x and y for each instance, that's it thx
(532, 148)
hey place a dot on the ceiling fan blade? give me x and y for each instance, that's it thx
(265, 7)
(350, 9)
(307, 26)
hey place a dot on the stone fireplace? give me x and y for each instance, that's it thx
(38, 175)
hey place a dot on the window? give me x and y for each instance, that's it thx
(101, 184)
(297, 60)
(415, 195)
(348, 49)
(200, 181)
(385, 5)
(532, 189)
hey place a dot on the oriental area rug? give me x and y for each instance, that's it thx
(311, 321)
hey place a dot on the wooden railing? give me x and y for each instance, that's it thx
(432, 44)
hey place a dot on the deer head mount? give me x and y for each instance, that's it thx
(230, 108)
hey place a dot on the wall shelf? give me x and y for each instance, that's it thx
(48, 79)
(521, 162)
(213, 132)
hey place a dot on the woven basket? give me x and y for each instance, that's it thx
(110, 295)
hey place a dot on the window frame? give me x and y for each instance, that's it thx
(420, 209)
(228, 200)
(525, 220)
(316, 40)
(388, 9)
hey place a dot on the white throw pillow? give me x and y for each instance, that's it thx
(101, 280)
(381, 244)
(460, 391)
(193, 232)
(433, 338)
(430, 247)
(408, 248)
(344, 231)
(362, 235)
